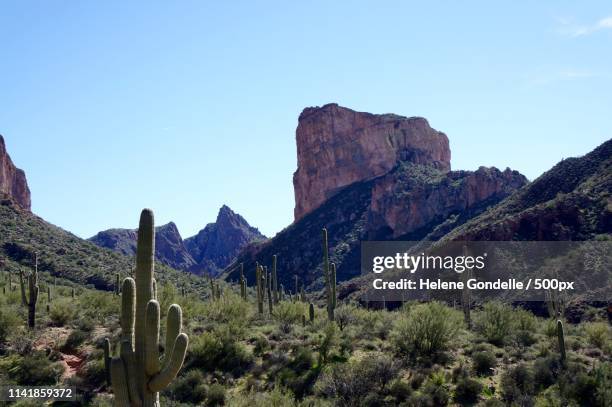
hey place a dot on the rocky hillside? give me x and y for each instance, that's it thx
(208, 252)
(571, 201)
(13, 181)
(65, 255)
(217, 245)
(418, 197)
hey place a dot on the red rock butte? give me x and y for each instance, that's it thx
(13, 180)
(337, 147)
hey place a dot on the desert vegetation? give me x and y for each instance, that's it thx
(264, 346)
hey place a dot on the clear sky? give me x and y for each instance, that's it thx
(184, 106)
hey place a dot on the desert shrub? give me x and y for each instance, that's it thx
(597, 333)
(95, 306)
(287, 313)
(426, 328)
(61, 312)
(484, 362)
(516, 383)
(261, 344)
(230, 309)
(495, 322)
(377, 324)
(345, 315)
(327, 341)
(400, 390)
(218, 351)
(545, 371)
(467, 390)
(74, 340)
(93, 372)
(31, 370)
(9, 322)
(189, 388)
(525, 320)
(277, 397)
(216, 395)
(380, 368)
(436, 388)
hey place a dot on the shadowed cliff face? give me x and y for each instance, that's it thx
(215, 246)
(13, 181)
(337, 146)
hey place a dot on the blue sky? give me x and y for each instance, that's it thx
(184, 106)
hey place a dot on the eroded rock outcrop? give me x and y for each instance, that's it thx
(337, 147)
(13, 181)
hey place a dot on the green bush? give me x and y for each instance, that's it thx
(345, 315)
(188, 388)
(33, 369)
(484, 362)
(287, 313)
(517, 383)
(218, 351)
(495, 322)
(426, 328)
(467, 390)
(598, 334)
(61, 312)
(9, 322)
(216, 395)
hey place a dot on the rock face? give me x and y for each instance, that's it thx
(412, 197)
(13, 181)
(169, 247)
(337, 146)
(215, 246)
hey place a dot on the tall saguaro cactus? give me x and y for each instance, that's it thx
(561, 338)
(274, 280)
(260, 289)
(138, 375)
(328, 277)
(33, 294)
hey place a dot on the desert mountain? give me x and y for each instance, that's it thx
(368, 177)
(209, 251)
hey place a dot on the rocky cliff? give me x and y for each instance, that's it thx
(13, 181)
(337, 146)
(215, 246)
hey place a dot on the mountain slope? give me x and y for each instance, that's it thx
(429, 196)
(65, 255)
(13, 181)
(571, 201)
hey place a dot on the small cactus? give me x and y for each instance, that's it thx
(561, 338)
(117, 283)
(48, 298)
(22, 286)
(296, 292)
(107, 360)
(311, 312)
(138, 375)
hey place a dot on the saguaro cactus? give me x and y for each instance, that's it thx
(33, 294)
(561, 338)
(137, 375)
(333, 284)
(260, 290)
(275, 280)
(327, 275)
(270, 297)
(106, 346)
(311, 313)
(22, 286)
(117, 284)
